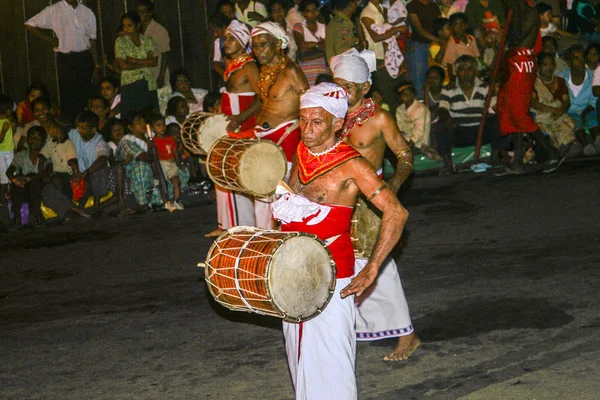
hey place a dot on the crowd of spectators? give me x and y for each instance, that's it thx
(114, 146)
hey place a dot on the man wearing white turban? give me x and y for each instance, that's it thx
(382, 313)
(240, 103)
(279, 86)
(327, 175)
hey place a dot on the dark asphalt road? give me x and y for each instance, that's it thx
(502, 276)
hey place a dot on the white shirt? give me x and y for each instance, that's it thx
(74, 27)
(252, 6)
(596, 80)
(575, 89)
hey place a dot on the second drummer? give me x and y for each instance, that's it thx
(240, 103)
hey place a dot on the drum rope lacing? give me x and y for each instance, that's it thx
(236, 270)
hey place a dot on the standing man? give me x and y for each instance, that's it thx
(516, 87)
(280, 84)
(75, 45)
(145, 9)
(328, 175)
(383, 312)
(240, 103)
(341, 31)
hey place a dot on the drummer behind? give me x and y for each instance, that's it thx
(382, 313)
(280, 84)
(240, 103)
(326, 178)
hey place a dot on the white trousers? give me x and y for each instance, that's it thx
(234, 209)
(384, 311)
(321, 352)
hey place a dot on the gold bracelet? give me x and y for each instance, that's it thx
(377, 192)
(407, 163)
(403, 153)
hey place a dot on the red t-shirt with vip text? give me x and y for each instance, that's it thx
(165, 147)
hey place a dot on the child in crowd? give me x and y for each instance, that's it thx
(592, 56)
(60, 152)
(550, 45)
(24, 174)
(212, 102)
(177, 110)
(116, 129)
(218, 25)
(109, 89)
(414, 120)
(447, 9)
(460, 43)
(24, 109)
(43, 117)
(377, 97)
(6, 144)
(101, 107)
(547, 27)
(583, 102)
(433, 93)
(436, 51)
(117, 183)
(166, 148)
(550, 104)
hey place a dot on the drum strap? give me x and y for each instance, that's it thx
(236, 269)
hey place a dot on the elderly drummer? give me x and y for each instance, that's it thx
(383, 312)
(326, 178)
(279, 87)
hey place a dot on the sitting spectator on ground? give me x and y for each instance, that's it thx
(460, 43)
(92, 159)
(166, 148)
(177, 110)
(460, 110)
(60, 152)
(433, 93)
(579, 81)
(117, 183)
(6, 144)
(414, 120)
(550, 45)
(181, 84)
(109, 89)
(592, 56)
(116, 129)
(212, 102)
(101, 107)
(24, 109)
(24, 173)
(437, 51)
(43, 117)
(133, 152)
(550, 104)
(547, 27)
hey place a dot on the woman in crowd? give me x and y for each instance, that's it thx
(277, 12)
(310, 38)
(135, 54)
(182, 86)
(177, 111)
(109, 89)
(43, 117)
(24, 109)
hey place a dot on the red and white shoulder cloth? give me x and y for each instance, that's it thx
(321, 352)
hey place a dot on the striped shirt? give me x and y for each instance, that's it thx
(466, 112)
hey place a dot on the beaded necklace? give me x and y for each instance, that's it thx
(358, 117)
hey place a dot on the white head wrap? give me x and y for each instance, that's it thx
(240, 31)
(331, 97)
(353, 66)
(273, 29)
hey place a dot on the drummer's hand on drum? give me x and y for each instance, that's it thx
(234, 123)
(360, 282)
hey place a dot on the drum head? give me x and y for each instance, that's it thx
(214, 127)
(301, 277)
(262, 167)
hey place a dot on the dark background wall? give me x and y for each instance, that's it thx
(25, 59)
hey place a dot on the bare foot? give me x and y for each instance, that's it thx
(214, 233)
(406, 346)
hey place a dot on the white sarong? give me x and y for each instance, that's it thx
(321, 352)
(384, 312)
(234, 209)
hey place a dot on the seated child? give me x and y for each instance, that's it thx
(6, 144)
(579, 81)
(547, 27)
(169, 160)
(92, 159)
(414, 120)
(109, 89)
(101, 107)
(550, 45)
(177, 110)
(592, 56)
(550, 104)
(25, 175)
(212, 102)
(460, 42)
(61, 153)
(436, 52)
(43, 117)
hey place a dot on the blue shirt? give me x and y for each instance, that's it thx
(88, 152)
(585, 97)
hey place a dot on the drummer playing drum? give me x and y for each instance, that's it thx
(383, 312)
(329, 174)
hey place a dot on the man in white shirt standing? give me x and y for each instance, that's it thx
(250, 12)
(145, 9)
(74, 26)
